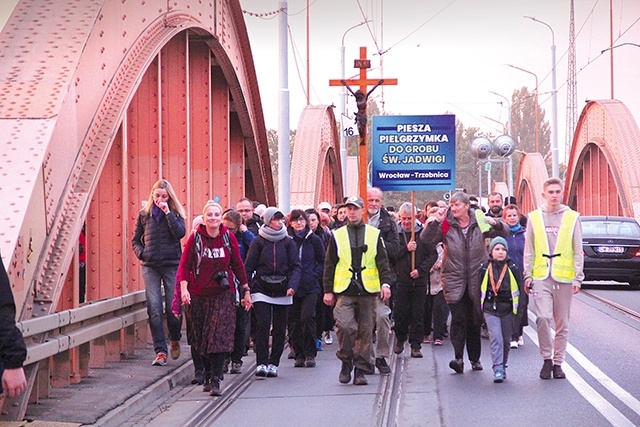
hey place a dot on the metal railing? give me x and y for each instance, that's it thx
(71, 328)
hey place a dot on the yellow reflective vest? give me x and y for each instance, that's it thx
(369, 273)
(563, 270)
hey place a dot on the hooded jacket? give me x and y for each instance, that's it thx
(311, 255)
(463, 255)
(266, 258)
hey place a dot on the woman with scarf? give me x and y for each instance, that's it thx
(302, 314)
(209, 266)
(273, 265)
(511, 215)
(156, 242)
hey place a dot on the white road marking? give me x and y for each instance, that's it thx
(600, 403)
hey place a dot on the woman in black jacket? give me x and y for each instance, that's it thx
(156, 242)
(302, 314)
(273, 267)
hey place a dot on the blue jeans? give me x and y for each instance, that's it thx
(500, 330)
(154, 279)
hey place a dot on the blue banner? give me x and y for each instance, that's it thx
(414, 152)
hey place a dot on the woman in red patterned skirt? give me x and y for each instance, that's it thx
(209, 270)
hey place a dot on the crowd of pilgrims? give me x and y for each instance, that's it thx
(250, 276)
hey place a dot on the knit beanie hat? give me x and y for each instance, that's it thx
(270, 213)
(498, 241)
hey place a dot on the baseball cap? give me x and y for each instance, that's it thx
(355, 201)
(324, 205)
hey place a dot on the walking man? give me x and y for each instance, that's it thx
(356, 273)
(378, 217)
(553, 262)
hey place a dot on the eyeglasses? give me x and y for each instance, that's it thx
(300, 219)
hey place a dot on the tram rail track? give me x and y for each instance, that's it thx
(619, 307)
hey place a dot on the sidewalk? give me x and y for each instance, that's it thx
(122, 388)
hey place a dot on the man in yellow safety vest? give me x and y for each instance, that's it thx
(356, 272)
(553, 262)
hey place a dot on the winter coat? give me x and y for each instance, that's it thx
(244, 241)
(311, 254)
(463, 255)
(266, 258)
(13, 350)
(389, 234)
(425, 256)
(515, 240)
(158, 244)
(214, 256)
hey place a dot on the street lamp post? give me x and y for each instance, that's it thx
(343, 110)
(555, 172)
(510, 164)
(537, 107)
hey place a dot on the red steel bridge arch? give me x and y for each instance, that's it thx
(603, 170)
(99, 99)
(316, 175)
(603, 175)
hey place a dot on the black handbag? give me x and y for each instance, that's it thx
(275, 286)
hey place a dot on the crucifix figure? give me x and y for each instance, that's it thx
(362, 96)
(361, 103)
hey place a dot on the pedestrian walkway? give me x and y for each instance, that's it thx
(134, 393)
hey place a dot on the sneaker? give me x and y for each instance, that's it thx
(236, 368)
(498, 376)
(215, 388)
(299, 363)
(359, 378)
(558, 373)
(415, 352)
(318, 344)
(398, 347)
(272, 371)
(521, 340)
(547, 367)
(476, 366)
(174, 349)
(292, 354)
(426, 340)
(225, 366)
(310, 362)
(438, 342)
(457, 365)
(382, 366)
(261, 371)
(160, 360)
(206, 384)
(484, 332)
(513, 344)
(328, 339)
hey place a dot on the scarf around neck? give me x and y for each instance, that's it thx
(515, 228)
(158, 214)
(272, 235)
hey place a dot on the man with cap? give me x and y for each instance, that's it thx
(325, 207)
(356, 273)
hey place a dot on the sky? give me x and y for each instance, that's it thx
(446, 54)
(449, 54)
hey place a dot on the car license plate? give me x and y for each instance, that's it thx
(610, 249)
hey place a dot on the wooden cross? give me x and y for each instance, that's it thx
(362, 96)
